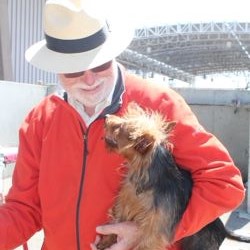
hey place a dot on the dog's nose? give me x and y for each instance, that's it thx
(106, 119)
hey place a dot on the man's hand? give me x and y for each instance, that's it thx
(127, 235)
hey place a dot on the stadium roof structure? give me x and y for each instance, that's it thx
(184, 51)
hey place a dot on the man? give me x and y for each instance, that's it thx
(65, 180)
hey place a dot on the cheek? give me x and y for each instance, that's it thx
(106, 82)
(66, 83)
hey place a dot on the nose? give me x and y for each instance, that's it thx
(88, 77)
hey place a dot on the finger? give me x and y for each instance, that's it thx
(92, 246)
(108, 229)
(115, 228)
(97, 239)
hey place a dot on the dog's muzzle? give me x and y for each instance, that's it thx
(110, 142)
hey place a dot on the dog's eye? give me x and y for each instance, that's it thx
(115, 127)
(125, 133)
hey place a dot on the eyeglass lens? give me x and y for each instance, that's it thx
(97, 69)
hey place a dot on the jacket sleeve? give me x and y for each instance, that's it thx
(218, 186)
(20, 216)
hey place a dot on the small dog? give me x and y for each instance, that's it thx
(155, 191)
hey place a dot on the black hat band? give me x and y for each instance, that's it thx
(77, 45)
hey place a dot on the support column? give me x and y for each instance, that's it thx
(5, 43)
(246, 213)
(248, 172)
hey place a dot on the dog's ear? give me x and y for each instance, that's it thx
(143, 144)
(170, 126)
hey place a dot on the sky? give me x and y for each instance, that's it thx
(147, 13)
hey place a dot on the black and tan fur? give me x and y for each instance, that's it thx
(155, 191)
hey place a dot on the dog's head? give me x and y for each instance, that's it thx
(137, 132)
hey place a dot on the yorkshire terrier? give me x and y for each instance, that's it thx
(155, 191)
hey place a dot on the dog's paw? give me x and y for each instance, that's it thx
(106, 241)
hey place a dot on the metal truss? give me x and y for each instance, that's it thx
(183, 51)
(134, 60)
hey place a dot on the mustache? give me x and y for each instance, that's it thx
(96, 84)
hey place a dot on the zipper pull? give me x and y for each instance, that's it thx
(84, 137)
(85, 141)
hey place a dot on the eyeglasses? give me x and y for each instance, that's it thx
(97, 69)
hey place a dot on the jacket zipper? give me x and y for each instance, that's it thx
(85, 154)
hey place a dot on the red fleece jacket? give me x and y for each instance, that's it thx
(65, 180)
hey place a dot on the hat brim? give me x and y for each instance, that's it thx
(43, 58)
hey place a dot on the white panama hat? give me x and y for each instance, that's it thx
(77, 39)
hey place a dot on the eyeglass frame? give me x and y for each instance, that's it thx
(97, 69)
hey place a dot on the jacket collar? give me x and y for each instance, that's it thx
(117, 96)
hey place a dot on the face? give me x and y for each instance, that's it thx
(125, 136)
(117, 136)
(92, 86)
(137, 132)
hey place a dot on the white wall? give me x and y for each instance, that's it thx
(16, 100)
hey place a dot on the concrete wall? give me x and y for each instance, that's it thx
(5, 43)
(231, 128)
(16, 100)
(225, 113)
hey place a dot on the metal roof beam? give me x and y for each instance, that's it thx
(143, 62)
